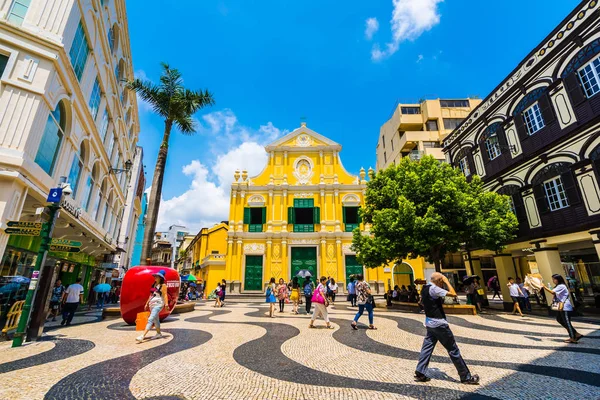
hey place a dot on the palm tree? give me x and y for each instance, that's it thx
(176, 105)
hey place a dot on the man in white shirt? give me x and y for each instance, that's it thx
(438, 330)
(515, 293)
(72, 297)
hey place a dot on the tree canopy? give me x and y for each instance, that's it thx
(426, 208)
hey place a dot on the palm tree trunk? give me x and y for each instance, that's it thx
(155, 195)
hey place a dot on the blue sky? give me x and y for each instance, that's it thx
(271, 62)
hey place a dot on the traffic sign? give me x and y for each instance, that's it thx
(68, 249)
(54, 195)
(65, 242)
(23, 231)
(24, 224)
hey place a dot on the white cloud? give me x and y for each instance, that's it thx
(419, 58)
(206, 201)
(410, 18)
(372, 26)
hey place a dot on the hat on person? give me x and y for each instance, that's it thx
(160, 273)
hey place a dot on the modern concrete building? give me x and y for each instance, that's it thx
(64, 112)
(415, 130)
(139, 233)
(536, 138)
(174, 237)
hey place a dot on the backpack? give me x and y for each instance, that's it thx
(307, 290)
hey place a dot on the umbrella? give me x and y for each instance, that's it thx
(467, 279)
(183, 277)
(303, 273)
(102, 288)
(191, 278)
(19, 279)
(193, 284)
(10, 287)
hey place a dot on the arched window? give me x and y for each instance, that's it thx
(581, 76)
(88, 193)
(76, 167)
(107, 213)
(98, 201)
(464, 162)
(533, 113)
(493, 141)
(554, 188)
(113, 38)
(516, 201)
(51, 139)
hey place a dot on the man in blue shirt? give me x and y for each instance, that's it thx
(352, 292)
(438, 330)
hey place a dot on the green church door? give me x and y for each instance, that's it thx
(304, 258)
(352, 268)
(253, 276)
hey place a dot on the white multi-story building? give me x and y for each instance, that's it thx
(64, 112)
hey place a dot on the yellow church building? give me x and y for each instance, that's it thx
(299, 213)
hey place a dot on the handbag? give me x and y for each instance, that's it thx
(557, 306)
(481, 292)
(141, 320)
(317, 298)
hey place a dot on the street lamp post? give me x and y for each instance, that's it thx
(54, 198)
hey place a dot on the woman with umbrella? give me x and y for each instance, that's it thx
(156, 302)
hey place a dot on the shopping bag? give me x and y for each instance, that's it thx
(481, 292)
(142, 320)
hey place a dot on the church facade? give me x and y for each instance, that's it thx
(297, 214)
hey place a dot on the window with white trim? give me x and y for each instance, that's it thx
(492, 146)
(589, 75)
(95, 99)
(463, 165)
(104, 126)
(17, 11)
(533, 118)
(555, 193)
(79, 51)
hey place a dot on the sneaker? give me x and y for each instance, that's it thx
(63, 321)
(421, 377)
(53, 319)
(139, 339)
(473, 380)
(158, 336)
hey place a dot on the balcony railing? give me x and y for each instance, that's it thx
(416, 155)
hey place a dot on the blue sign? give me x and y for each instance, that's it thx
(54, 196)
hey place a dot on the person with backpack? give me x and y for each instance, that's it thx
(270, 297)
(308, 287)
(438, 330)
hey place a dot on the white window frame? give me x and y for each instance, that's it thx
(556, 196)
(463, 165)
(589, 76)
(492, 149)
(533, 118)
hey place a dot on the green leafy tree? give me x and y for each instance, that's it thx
(428, 209)
(176, 105)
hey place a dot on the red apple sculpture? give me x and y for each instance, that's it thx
(135, 291)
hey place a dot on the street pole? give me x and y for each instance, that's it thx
(46, 236)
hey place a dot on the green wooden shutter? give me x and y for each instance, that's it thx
(358, 217)
(344, 214)
(291, 218)
(246, 215)
(264, 215)
(316, 215)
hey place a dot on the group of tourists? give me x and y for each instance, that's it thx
(319, 298)
(359, 293)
